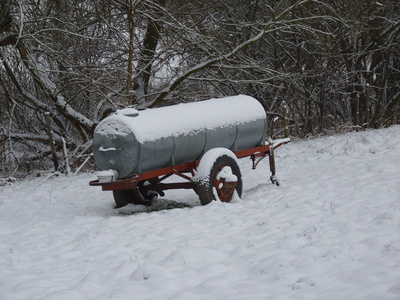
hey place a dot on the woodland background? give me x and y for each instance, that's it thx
(321, 66)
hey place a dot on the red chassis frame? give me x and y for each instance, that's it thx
(155, 177)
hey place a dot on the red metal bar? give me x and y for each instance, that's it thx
(174, 185)
(257, 151)
(182, 168)
(260, 150)
(132, 183)
(125, 184)
(181, 175)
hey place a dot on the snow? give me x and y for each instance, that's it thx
(131, 112)
(113, 126)
(279, 141)
(226, 173)
(102, 149)
(330, 231)
(107, 175)
(202, 174)
(182, 119)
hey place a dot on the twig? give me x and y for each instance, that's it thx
(83, 164)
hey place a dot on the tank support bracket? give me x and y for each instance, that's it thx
(256, 160)
(272, 166)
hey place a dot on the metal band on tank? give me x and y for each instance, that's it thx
(265, 132)
(236, 135)
(173, 150)
(139, 152)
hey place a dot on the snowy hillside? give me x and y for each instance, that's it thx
(331, 231)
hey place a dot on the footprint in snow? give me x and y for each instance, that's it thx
(304, 281)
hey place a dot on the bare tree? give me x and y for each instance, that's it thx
(330, 62)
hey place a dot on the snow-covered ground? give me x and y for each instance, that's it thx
(331, 231)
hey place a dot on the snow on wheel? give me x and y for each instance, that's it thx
(218, 176)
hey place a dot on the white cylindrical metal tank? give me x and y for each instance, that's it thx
(133, 142)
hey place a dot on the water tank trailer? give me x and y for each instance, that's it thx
(199, 141)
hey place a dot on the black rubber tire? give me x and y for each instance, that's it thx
(205, 186)
(123, 197)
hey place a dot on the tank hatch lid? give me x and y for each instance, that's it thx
(129, 112)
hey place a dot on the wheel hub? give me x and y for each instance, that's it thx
(225, 183)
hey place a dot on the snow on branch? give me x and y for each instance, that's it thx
(278, 22)
(47, 85)
(43, 138)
